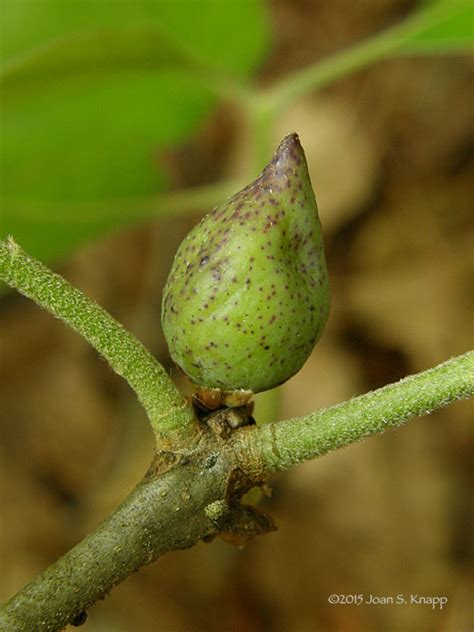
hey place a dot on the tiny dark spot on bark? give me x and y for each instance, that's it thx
(79, 619)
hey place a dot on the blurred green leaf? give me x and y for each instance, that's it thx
(446, 26)
(89, 142)
(91, 54)
(230, 35)
(92, 90)
(83, 140)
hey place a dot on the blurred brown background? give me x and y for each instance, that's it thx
(390, 154)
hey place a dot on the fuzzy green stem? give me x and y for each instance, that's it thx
(176, 509)
(171, 417)
(393, 41)
(279, 445)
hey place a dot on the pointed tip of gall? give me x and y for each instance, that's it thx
(289, 153)
(291, 140)
(288, 157)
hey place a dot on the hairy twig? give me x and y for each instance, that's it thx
(193, 490)
(172, 419)
(160, 515)
(277, 446)
(195, 500)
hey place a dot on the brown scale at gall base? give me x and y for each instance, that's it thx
(223, 411)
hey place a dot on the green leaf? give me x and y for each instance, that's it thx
(53, 35)
(28, 25)
(89, 141)
(446, 26)
(94, 54)
(85, 139)
(92, 91)
(230, 35)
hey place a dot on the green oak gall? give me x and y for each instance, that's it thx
(247, 297)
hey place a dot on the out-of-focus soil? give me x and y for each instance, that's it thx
(390, 153)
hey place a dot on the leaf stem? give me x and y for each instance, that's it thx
(172, 419)
(189, 200)
(279, 445)
(394, 40)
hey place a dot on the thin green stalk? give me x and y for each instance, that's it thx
(259, 120)
(171, 417)
(392, 41)
(190, 200)
(279, 445)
